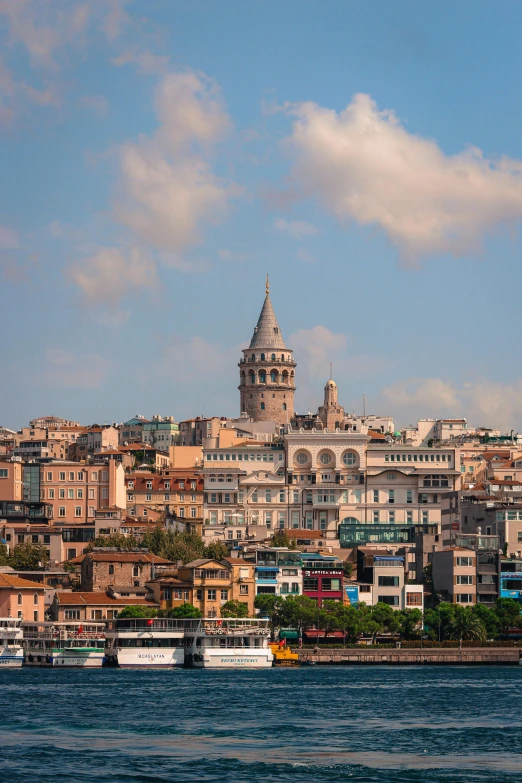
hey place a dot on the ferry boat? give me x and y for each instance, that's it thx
(157, 642)
(72, 644)
(11, 642)
(228, 643)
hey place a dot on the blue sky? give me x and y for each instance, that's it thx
(159, 158)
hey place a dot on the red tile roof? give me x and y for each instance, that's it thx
(14, 582)
(98, 599)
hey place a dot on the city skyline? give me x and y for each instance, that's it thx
(164, 182)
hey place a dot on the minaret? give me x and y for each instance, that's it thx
(267, 371)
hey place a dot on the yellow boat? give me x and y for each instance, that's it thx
(283, 656)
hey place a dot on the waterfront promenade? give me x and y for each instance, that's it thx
(499, 656)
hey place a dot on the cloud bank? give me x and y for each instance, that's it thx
(362, 164)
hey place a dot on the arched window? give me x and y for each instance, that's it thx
(349, 458)
(284, 406)
(262, 357)
(262, 406)
(285, 377)
(35, 599)
(262, 376)
(253, 357)
(20, 599)
(282, 357)
(350, 521)
(325, 458)
(302, 457)
(252, 376)
(273, 357)
(273, 376)
(243, 378)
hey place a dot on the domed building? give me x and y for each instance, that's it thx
(330, 412)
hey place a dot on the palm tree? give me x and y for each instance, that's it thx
(466, 625)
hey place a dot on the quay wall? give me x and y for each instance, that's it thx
(468, 656)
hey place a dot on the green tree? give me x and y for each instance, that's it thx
(298, 612)
(347, 568)
(137, 611)
(346, 619)
(184, 610)
(116, 540)
(216, 550)
(269, 605)
(490, 619)
(366, 624)
(234, 608)
(184, 547)
(411, 623)
(4, 555)
(466, 625)
(281, 538)
(386, 619)
(508, 614)
(28, 557)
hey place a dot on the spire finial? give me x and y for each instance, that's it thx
(330, 370)
(267, 286)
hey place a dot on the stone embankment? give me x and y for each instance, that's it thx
(468, 656)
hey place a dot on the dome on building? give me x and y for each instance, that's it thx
(331, 384)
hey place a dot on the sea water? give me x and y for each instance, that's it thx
(309, 725)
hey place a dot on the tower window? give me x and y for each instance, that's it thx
(262, 357)
(273, 376)
(276, 330)
(282, 357)
(262, 376)
(262, 406)
(253, 357)
(284, 406)
(273, 357)
(273, 395)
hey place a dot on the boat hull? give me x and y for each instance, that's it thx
(74, 659)
(234, 660)
(11, 659)
(164, 657)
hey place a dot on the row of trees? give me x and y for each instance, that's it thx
(446, 622)
(24, 557)
(186, 610)
(175, 546)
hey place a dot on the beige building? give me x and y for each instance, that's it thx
(21, 598)
(178, 491)
(11, 479)
(455, 575)
(77, 491)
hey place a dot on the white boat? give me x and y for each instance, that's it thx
(72, 644)
(230, 643)
(11, 642)
(157, 642)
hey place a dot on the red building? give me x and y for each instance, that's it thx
(322, 579)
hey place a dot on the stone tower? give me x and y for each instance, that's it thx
(267, 371)
(331, 413)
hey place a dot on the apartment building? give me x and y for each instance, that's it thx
(245, 491)
(76, 491)
(94, 439)
(381, 578)
(21, 597)
(179, 491)
(500, 518)
(278, 571)
(131, 431)
(161, 433)
(207, 584)
(455, 575)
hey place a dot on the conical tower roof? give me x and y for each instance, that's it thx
(267, 333)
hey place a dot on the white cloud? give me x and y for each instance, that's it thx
(363, 165)
(168, 188)
(297, 229)
(145, 62)
(316, 348)
(482, 402)
(43, 26)
(304, 255)
(110, 275)
(97, 103)
(8, 238)
(85, 371)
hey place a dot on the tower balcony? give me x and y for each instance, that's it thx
(248, 361)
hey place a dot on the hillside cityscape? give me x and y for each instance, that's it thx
(333, 525)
